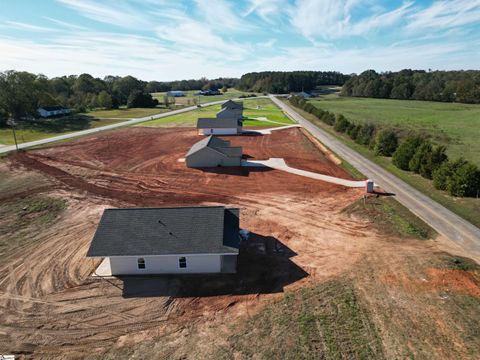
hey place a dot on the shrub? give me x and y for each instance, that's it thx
(420, 157)
(443, 173)
(386, 143)
(341, 124)
(328, 118)
(404, 153)
(353, 131)
(464, 181)
(366, 134)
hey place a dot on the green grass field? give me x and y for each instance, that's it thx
(50, 128)
(468, 208)
(125, 113)
(253, 108)
(455, 125)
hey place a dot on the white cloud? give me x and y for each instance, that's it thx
(221, 15)
(268, 10)
(115, 13)
(27, 27)
(65, 24)
(332, 19)
(442, 15)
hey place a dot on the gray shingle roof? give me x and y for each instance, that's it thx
(230, 104)
(212, 123)
(222, 146)
(166, 231)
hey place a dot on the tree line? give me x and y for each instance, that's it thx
(282, 82)
(446, 86)
(412, 152)
(21, 93)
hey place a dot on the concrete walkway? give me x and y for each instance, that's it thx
(269, 130)
(280, 164)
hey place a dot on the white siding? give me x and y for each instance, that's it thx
(226, 131)
(127, 265)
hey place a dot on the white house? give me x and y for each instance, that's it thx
(212, 126)
(179, 240)
(47, 111)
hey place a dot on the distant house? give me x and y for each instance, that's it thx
(182, 240)
(208, 92)
(48, 111)
(175, 93)
(304, 95)
(232, 105)
(226, 113)
(213, 152)
(213, 126)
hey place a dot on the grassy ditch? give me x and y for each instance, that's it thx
(327, 321)
(391, 217)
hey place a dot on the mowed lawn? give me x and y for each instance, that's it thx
(125, 113)
(455, 125)
(254, 108)
(31, 132)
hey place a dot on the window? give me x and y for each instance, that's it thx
(141, 263)
(182, 263)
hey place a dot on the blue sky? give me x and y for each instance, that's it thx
(180, 39)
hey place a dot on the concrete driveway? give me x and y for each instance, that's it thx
(280, 164)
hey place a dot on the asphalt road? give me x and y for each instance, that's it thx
(445, 222)
(25, 145)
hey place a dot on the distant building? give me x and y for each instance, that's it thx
(208, 92)
(304, 95)
(213, 152)
(175, 93)
(48, 111)
(181, 240)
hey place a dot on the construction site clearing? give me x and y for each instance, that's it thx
(300, 236)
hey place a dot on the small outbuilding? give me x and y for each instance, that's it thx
(178, 240)
(49, 111)
(212, 152)
(213, 126)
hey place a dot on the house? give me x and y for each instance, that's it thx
(178, 240)
(232, 105)
(213, 126)
(47, 111)
(175, 93)
(212, 152)
(230, 113)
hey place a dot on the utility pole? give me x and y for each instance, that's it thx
(12, 123)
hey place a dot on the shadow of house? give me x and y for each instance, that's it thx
(264, 266)
(235, 170)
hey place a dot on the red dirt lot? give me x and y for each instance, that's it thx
(52, 308)
(143, 166)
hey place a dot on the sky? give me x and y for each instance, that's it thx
(184, 39)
